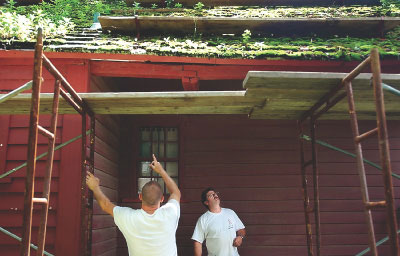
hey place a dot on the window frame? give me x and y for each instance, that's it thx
(160, 159)
(139, 121)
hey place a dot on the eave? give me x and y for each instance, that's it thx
(269, 95)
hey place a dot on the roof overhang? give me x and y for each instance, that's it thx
(289, 94)
(268, 95)
(193, 102)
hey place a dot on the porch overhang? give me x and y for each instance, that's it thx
(190, 102)
(268, 95)
(290, 94)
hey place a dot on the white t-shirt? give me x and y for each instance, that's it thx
(149, 234)
(219, 231)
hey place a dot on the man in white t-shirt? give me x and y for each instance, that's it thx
(220, 227)
(149, 231)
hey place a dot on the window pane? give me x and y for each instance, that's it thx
(172, 134)
(145, 134)
(155, 134)
(145, 149)
(161, 134)
(155, 149)
(161, 182)
(141, 183)
(161, 149)
(144, 169)
(172, 169)
(172, 150)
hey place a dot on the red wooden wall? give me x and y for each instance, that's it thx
(255, 166)
(104, 240)
(65, 196)
(253, 163)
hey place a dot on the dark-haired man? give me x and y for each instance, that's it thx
(149, 231)
(220, 227)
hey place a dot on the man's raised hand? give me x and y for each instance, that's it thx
(156, 166)
(92, 181)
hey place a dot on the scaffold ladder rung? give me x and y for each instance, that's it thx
(384, 155)
(73, 99)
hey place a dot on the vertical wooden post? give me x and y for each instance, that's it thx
(384, 152)
(316, 187)
(306, 199)
(32, 147)
(361, 168)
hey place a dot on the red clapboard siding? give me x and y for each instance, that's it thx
(14, 218)
(19, 152)
(109, 121)
(104, 246)
(20, 136)
(105, 165)
(18, 186)
(50, 236)
(102, 222)
(107, 180)
(15, 201)
(23, 121)
(104, 149)
(40, 168)
(240, 169)
(106, 135)
(15, 249)
(99, 235)
(4, 138)
(106, 168)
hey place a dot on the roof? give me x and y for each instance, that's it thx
(268, 95)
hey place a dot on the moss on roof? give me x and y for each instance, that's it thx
(245, 47)
(268, 12)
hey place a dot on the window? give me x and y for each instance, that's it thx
(163, 142)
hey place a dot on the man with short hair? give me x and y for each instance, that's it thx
(149, 231)
(220, 227)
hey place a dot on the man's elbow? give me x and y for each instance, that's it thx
(176, 194)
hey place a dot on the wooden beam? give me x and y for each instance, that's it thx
(227, 102)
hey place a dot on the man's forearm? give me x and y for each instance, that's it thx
(170, 183)
(103, 200)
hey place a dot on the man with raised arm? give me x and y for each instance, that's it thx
(149, 231)
(220, 227)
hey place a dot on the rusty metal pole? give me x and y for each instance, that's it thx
(316, 187)
(306, 199)
(49, 169)
(32, 147)
(361, 168)
(83, 227)
(384, 153)
(90, 195)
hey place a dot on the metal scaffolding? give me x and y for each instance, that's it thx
(321, 107)
(63, 88)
